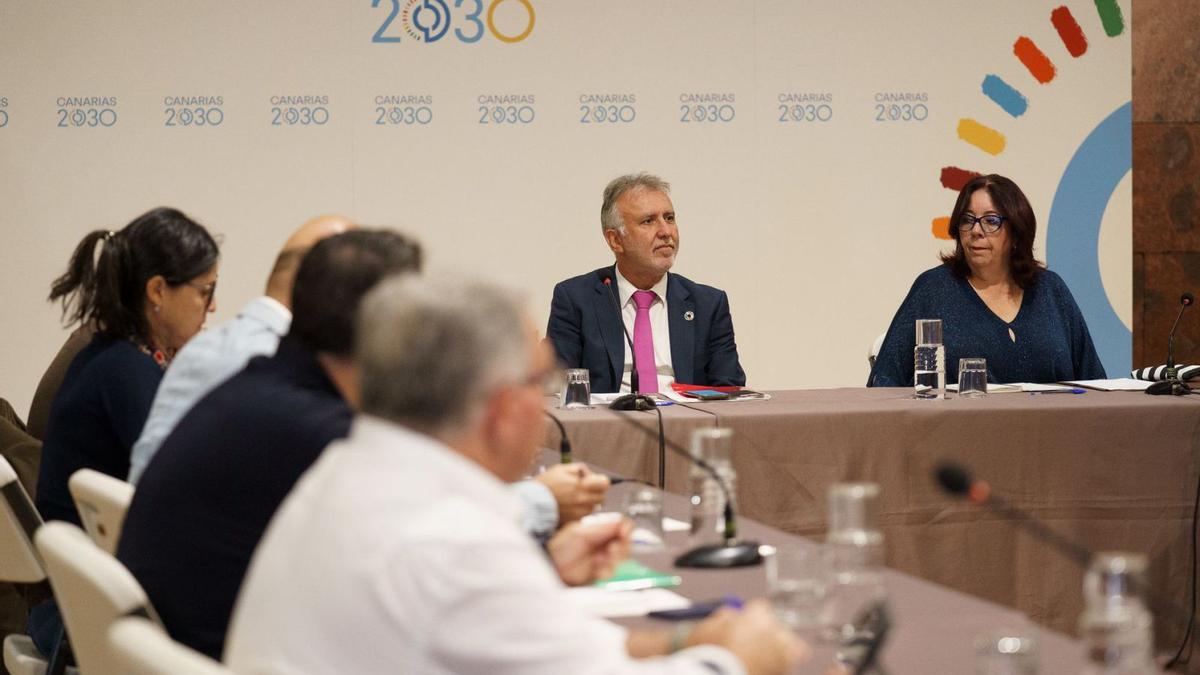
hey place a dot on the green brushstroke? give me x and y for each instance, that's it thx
(1110, 16)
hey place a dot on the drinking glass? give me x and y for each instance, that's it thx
(929, 361)
(644, 507)
(578, 392)
(796, 581)
(714, 446)
(972, 378)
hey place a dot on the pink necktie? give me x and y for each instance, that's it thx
(643, 343)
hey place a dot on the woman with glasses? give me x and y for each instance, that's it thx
(147, 290)
(995, 300)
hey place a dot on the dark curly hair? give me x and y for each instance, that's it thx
(1011, 203)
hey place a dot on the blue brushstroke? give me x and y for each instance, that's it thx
(1005, 96)
(1073, 232)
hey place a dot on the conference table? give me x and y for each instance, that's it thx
(1112, 470)
(933, 629)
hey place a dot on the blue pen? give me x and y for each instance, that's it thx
(1074, 390)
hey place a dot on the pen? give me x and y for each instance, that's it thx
(1075, 390)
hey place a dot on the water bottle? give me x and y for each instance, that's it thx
(854, 550)
(929, 361)
(713, 446)
(1116, 626)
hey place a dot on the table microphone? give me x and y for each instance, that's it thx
(564, 446)
(955, 480)
(633, 400)
(730, 552)
(1172, 384)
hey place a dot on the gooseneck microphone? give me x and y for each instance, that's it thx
(564, 446)
(730, 552)
(633, 400)
(1172, 384)
(955, 480)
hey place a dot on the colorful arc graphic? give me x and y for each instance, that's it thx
(1073, 231)
(1083, 193)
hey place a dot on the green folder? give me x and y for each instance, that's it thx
(631, 575)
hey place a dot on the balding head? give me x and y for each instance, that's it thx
(283, 274)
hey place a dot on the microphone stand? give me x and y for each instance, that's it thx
(564, 445)
(956, 481)
(1172, 384)
(731, 552)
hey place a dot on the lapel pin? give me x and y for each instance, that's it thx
(689, 315)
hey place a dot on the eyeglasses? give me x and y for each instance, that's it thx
(207, 291)
(989, 223)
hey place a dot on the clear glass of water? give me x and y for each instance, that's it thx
(972, 378)
(929, 361)
(1005, 652)
(853, 557)
(796, 581)
(714, 446)
(578, 391)
(644, 507)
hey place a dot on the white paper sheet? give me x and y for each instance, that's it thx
(614, 604)
(1114, 384)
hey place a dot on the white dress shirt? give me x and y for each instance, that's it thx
(394, 554)
(206, 361)
(659, 328)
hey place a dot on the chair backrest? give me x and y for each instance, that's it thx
(141, 648)
(102, 502)
(19, 520)
(873, 352)
(93, 590)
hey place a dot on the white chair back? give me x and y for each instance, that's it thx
(873, 352)
(93, 590)
(141, 648)
(19, 520)
(102, 502)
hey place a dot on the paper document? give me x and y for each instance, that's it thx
(614, 604)
(1114, 384)
(673, 525)
(1016, 387)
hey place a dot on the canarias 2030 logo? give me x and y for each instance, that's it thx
(432, 20)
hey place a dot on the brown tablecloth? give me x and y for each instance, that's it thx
(1116, 471)
(934, 628)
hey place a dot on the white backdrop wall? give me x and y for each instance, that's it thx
(815, 226)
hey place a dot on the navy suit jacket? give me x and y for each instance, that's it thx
(586, 331)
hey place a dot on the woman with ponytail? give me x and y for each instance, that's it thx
(146, 290)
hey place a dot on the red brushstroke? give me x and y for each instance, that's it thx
(1039, 64)
(1069, 30)
(954, 178)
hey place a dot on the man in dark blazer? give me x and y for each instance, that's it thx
(206, 497)
(638, 222)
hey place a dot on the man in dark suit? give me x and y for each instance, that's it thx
(206, 497)
(681, 330)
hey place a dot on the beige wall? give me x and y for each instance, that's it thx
(816, 229)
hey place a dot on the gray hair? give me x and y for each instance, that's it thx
(617, 187)
(430, 351)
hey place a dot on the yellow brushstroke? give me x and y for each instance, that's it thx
(983, 137)
(941, 228)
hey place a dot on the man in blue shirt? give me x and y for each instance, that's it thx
(215, 355)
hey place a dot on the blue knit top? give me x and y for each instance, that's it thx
(1052, 341)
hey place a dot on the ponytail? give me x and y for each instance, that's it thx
(77, 288)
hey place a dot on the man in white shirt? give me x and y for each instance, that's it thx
(681, 331)
(411, 559)
(215, 355)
